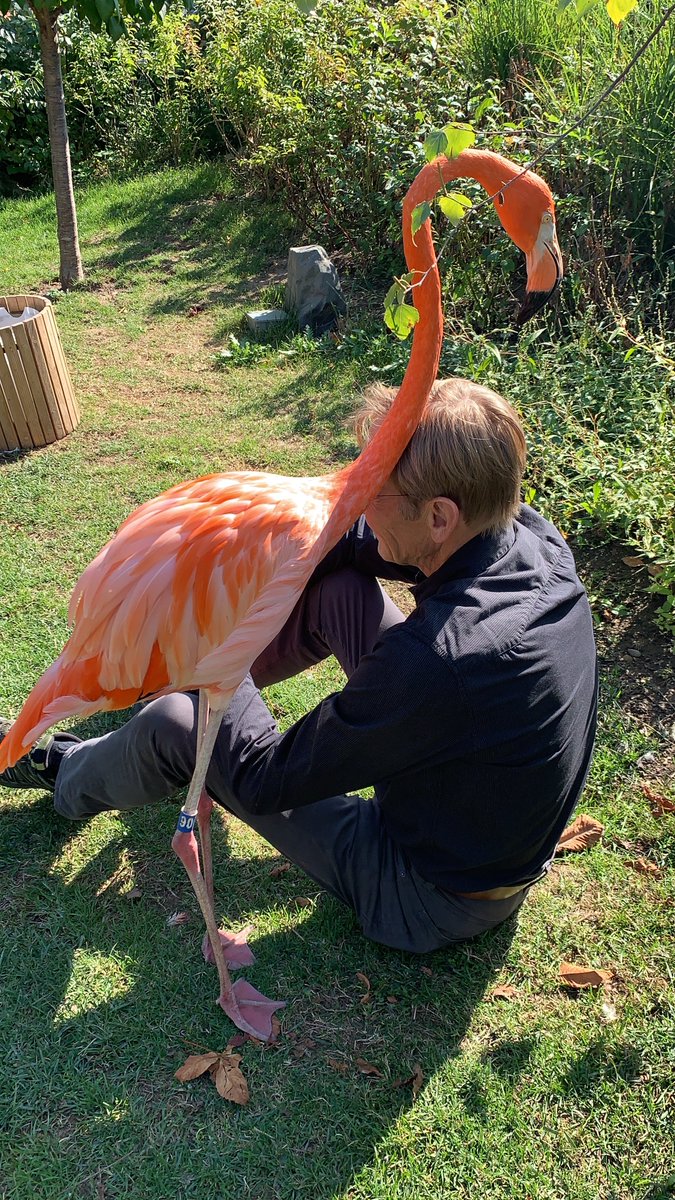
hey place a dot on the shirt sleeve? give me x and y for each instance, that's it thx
(402, 708)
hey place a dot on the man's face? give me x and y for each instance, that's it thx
(399, 540)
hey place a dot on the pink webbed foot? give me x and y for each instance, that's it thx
(250, 1010)
(236, 949)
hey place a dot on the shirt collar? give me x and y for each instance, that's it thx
(472, 559)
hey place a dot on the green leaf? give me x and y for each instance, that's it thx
(454, 206)
(420, 214)
(490, 101)
(306, 6)
(88, 9)
(458, 138)
(619, 9)
(563, 4)
(398, 289)
(105, 9)
(115, 27)
(435, 144)
(401, 319)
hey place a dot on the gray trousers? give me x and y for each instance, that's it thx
(341, 842)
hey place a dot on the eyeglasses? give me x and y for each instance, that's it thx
(407, 496)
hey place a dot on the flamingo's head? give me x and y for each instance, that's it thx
(526, 210)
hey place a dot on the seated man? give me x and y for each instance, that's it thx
(473, 718)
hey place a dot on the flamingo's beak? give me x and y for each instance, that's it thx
(544, 270)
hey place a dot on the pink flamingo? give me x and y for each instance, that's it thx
(198, 581)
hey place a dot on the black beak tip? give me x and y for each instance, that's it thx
(533, 303)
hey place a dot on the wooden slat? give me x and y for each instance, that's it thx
(9, 438)
(13, 400)
(37, 402)
(35, 384)
(13, 351)
(51, 344)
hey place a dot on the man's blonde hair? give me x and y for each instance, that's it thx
(469, 446)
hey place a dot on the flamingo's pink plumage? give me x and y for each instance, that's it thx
(198, 581)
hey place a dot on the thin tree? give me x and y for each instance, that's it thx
(101, 14)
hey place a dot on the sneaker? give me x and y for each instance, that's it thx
(38, 768)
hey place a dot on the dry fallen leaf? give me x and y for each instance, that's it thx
(633, 561)
(229, 1080)
(303, 902)
(506, 992)
(392, 999)
(416, 1079)
(575, 976)
(335, 1063)
(582, 833)
(367, 1068)
(279, 870)
(134, 894)
(426, 970)
(224, 1071)
(643, 865)
(659, 803)
(178, 918)
(366, 997)
(196, 1065)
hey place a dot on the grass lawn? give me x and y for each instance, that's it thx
(550, 1094)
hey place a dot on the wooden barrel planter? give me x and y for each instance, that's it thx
(37, 402)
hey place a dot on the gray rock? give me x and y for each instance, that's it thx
(313, 289)
(264, 320)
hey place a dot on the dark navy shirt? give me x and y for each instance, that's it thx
(474, 718)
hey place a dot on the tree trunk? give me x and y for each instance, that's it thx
(66, 216)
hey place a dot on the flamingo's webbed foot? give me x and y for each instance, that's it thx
(250, 1011)
(236, 949)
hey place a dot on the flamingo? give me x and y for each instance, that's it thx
(197, 581)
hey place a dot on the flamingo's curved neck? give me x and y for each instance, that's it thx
(358, 483)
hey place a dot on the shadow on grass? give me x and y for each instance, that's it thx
(194, 232)
(101, 1091)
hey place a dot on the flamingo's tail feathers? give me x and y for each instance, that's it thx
(55, 697)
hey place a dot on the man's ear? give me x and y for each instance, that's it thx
(443, 518)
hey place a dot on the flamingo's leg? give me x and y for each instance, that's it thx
(185, 843)
(246, 1007)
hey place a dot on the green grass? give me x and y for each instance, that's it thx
(535, 1097)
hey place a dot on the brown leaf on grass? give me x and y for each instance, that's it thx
(392, 999)
(177, 918)
(660, 804)
(633, 560)
(196, 1065)
(229, 1080)
(367, 1068)
(335, 1063)
(303, 902)
(195, 309)
(643, 866)
(279, 870)
(506, 992)
(582, 833)
(134, 894)
(574, 976)
(416, 1079)
(426, 970)
(367, 995)
(238, 1040)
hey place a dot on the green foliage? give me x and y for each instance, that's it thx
(449, 141)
